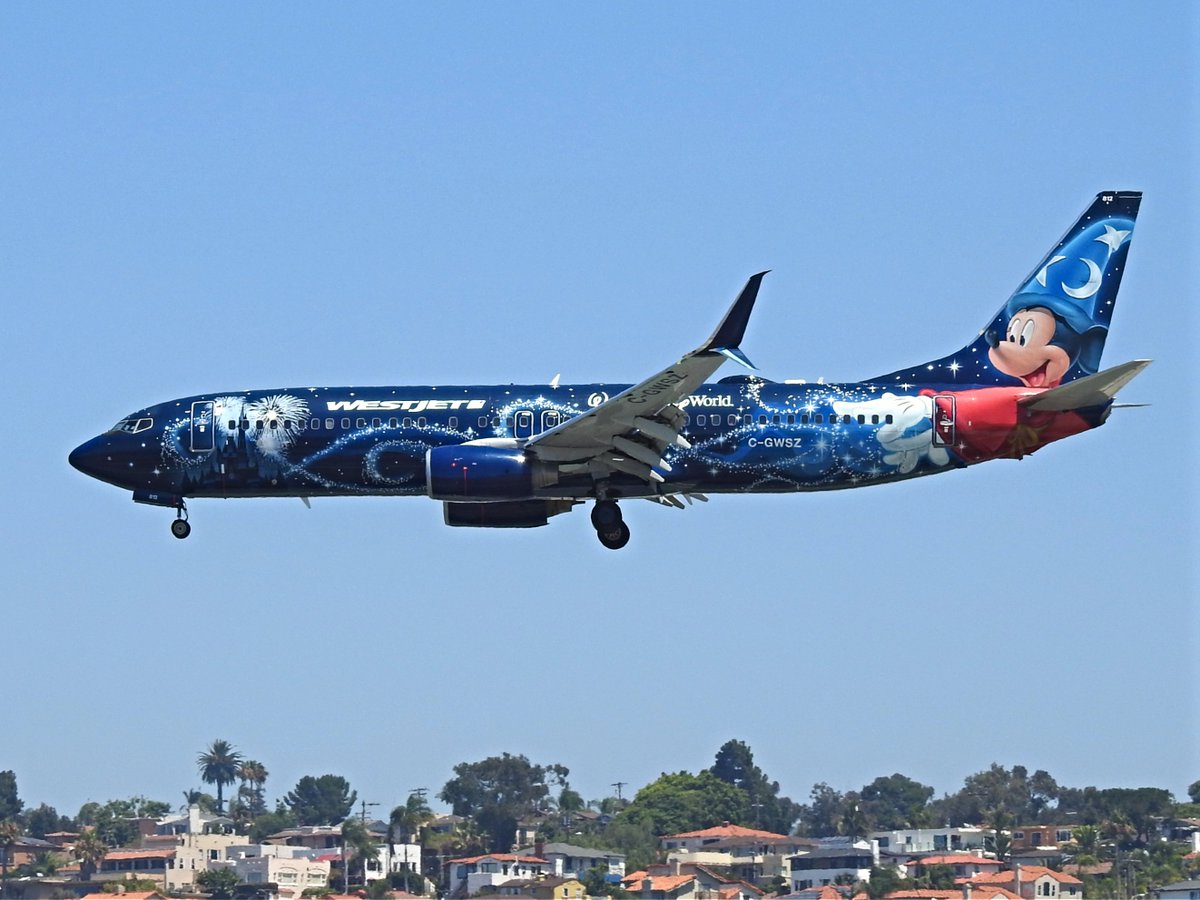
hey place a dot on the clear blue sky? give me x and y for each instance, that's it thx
(203, 197)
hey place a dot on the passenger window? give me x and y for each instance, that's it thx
(483, 421)
(762, 420)
(775, 419)
(407, 422)
(232, 424)
(362, 423)
(888, 418)
(258, 424)
(845, 420)
(732, 419)
(701, 420)
(345, 423)
(508, 423)
(244, 424)
(329, 424)
(747, 419)
(454, 422)
(804, 419)
(393, 422)
(791, 418)
(875, 419)
(274, 424)
(421, 422)
(862, 420)
(375, 423)
(314, 424)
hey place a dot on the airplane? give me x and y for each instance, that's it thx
(515, 456)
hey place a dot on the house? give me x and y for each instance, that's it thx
(1040, 837)
(1180, 890)
(315, 837)
(194, 852)
(127, 895)
(469, 875)
(754, 857)
(572, 861)
(150, 864)
(825, 865)
(964, 865)
(1031, 882)
(676, 881)
(292, 873)
(26, 850)
(911, 841)
(544, 888)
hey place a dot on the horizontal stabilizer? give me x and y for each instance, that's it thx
(1092, 390)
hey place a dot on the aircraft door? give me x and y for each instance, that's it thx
(943, 420)
(202, 426)
(523, 423)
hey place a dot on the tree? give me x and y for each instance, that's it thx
(895, 801)
(409, 819)
(253, 775)
(685, 802)
(10, 803)
(217, 882)
(1194, 791)
(325, 800)
(854, 822)
(219, 765)
(206, 802)
(496, 792)
(884, 880)
(45, 820)
(269, 823)
(361, 846)
(822, 817)
(89, 850)
(766, 809)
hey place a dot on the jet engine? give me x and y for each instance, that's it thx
(484, 472)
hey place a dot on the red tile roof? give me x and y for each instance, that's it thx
(128, 895)
(664, 883)
(727, 831)
(138, 854)
(1028, 873)
(953, 859)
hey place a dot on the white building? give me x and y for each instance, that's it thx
(292, 874)
(468, 875)
(930, 840)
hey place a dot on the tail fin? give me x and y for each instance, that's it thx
(1052, 329)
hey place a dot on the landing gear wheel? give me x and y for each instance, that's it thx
(606, 515)
(616, 539)
(181, 528)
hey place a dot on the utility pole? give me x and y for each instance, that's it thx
(618, 785)
(365, 804)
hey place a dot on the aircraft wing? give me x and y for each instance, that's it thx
(630, 432)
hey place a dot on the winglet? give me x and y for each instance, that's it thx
(728, 337)
(1092, 390)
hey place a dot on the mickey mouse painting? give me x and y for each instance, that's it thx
(1045, 336)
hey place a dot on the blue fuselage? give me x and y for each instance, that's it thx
(746, 435)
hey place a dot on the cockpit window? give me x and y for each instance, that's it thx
(132, 426)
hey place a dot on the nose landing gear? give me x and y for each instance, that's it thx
(610, 527)
(180, 527)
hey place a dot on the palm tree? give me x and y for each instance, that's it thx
(219, 765)
(254, 774)
(90, 851)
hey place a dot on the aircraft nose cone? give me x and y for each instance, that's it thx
(89, 458)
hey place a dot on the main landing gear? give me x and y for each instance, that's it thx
(610, 527)
(180, 527)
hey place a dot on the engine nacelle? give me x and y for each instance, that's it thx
(484, 472)
(510, 514)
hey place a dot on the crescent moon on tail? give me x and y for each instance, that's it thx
(1085, 290)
